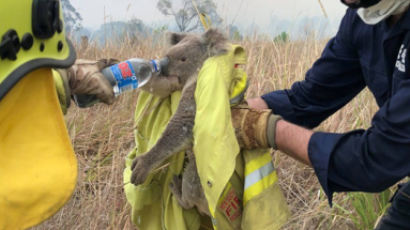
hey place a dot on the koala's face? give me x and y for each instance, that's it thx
(185, 57)
(188, 52)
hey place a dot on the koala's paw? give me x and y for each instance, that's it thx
(176, 185)
(140, 170)
(176, 189)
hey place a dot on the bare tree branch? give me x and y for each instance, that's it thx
(186, 17)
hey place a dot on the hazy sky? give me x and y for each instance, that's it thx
(243, 12)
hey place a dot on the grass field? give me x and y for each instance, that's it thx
(103, 135)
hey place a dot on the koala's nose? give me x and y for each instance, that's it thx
(163, 62)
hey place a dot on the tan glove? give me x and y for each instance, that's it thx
(254, 128)
(162, 86)
(84, 77)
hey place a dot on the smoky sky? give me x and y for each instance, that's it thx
(239, 12)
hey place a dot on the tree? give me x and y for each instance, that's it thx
(282, 37)
(72, 18)
(185, 14)
(234, 33)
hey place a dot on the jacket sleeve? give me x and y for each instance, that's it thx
(366, 160)
(332, 82)
(62, 88)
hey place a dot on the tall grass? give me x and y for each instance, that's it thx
(103, 135)
(368, 207)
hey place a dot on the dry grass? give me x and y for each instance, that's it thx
(103, 135)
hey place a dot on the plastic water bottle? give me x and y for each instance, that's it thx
(125, 76)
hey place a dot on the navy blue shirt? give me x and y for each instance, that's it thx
(359, 55)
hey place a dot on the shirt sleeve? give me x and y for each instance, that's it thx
(366, 160)
(332, 82)
(62, 88)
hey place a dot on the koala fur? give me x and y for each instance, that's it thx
(186, 56)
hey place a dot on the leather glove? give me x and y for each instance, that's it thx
(85, 77)
(162, 86)
(254, 129)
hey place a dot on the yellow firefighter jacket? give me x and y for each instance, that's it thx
(240, 186)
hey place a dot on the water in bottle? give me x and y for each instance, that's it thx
(125, 76)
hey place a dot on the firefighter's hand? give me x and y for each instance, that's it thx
(254, 129)
(257, 103)
(85, 77)
(162, 86)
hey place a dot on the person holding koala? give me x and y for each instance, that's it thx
(369, 50)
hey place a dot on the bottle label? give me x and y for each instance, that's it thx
(155, 65)
(125, 76)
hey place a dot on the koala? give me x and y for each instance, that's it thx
(186, 56)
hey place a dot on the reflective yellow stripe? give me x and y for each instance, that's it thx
(256, 163)
(259, 175)
(259, 186)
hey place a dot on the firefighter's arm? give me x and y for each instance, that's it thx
(260, 128)
(257, 103)
(84, 77)
(293, 140)
(63, 92)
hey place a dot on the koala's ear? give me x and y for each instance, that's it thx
(175, 38)
(215, 41)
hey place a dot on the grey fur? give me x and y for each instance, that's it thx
(186, 56)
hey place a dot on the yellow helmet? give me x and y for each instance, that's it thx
(38, 168)
(32, 36)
